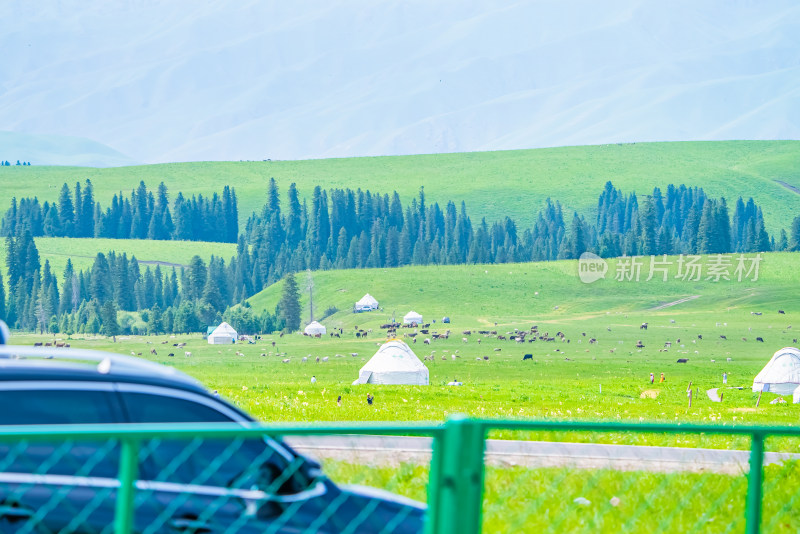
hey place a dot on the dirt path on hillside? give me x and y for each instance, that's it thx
(674, 303)
(790, 187)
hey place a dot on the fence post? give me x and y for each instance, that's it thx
(754, 484)
(128, 470)
(455, 487)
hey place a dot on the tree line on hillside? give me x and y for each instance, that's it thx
(344, 228)
(116, 295)
(350, 229)
(141, 215)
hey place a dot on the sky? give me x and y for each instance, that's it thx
(149, 81)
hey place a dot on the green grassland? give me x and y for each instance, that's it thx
(542, 500)
(82, 251)
(493, 184)
(606, 380)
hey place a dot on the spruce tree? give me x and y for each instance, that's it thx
(2, 299)
(794, 240)
(108, 318)
(289, 304)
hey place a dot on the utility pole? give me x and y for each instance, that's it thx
(310, 286)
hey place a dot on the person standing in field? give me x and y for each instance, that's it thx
(652, 377)
(662, 378)
(339, 401)
(725, 378)
(369, 399)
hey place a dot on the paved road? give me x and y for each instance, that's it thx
(390, 450)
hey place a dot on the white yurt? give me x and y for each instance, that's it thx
(315, 328)
(224, 334)
(781, 375)
(394, 363)
(367, 303)
(412, 317)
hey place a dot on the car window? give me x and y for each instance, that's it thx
(147, 408)
(56, 407)
(62, 405)
(242, 463)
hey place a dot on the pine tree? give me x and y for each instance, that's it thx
(87, 211)
(101, 287)
(108, 317)
(78, 207)
(196, 275)
(2, 299)
(794, 235)
(289, 304)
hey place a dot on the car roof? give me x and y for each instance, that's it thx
(49, 363)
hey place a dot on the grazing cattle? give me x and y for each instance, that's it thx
(463, 340)
(171, 354)
(722, 337)
(285, 360)
(744, 339)
(153, 352)
(59, 344)
(37, 344)
(683, 360)
(138, 353)
(639, 344)
(486, 358)
(427, 341)
(761, 339)
(325, 359)
(497, 350)
(668, 344)
(187, 354)
(643, 327)
(781, 311)
(48, 344)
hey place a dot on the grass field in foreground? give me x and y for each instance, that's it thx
(493, 184)
(543, 500)
(606, 380)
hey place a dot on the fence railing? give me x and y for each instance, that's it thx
(456, 483)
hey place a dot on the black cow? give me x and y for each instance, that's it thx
(683, 360)
(527, 357)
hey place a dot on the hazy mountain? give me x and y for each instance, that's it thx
(178, 80)
(58, 150)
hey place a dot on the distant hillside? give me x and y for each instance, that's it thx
(228, 80)
(548, 291)
(58, 150)
(493, 184)
(83, 251)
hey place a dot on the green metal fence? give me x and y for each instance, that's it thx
(456, 489)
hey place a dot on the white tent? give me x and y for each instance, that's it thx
(224, 334)
(412, 317)
(367, 303)
(394, 363)
(781, 375)
(315, 328)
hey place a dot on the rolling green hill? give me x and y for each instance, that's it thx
(476, 296)
(493, 184)
(83, 251)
